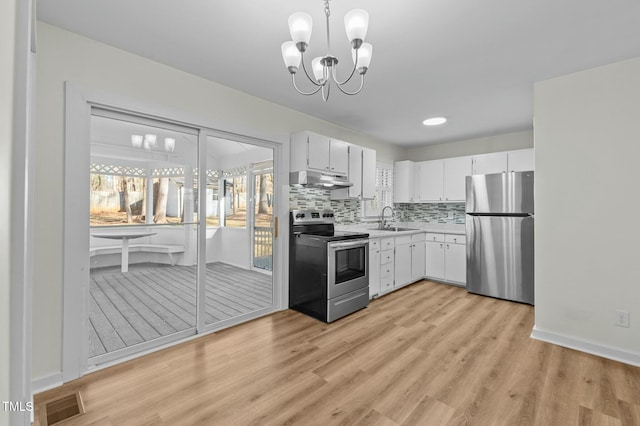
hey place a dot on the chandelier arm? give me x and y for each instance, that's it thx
(313, 92)
(357, 91)
(353, 71)
(307, 73)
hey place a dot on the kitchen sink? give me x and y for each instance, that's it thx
(396, 229)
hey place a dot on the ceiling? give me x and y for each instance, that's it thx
(472, 61)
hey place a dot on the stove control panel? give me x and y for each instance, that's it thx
(300, 217)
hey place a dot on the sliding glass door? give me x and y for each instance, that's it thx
(234, 289)
(158, 274)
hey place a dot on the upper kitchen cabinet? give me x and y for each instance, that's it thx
(431, 178)
(495, 162)
(521, 160)
(405, 178)
(362, 174)
(317, 152)
(455, 172)
(444, 180)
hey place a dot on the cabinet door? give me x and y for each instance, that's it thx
(339, 156)
(318, 152)
(455, 172)
(456, 263)
(521, 160)
(403, 265)
(418, 258)
(368, 173)
(431, 180)
(403, 177)
(374, 273)
(355, 171)
(490, 163)
(435, 260)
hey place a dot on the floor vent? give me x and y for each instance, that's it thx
(61, 409)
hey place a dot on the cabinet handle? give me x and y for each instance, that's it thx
(447, 246)
(440, 245)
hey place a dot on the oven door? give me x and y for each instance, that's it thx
(347, 267)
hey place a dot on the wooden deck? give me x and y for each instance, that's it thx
(159, 300)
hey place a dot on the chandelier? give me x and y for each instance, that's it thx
(324, 67)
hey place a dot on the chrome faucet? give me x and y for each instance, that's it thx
(383, 223)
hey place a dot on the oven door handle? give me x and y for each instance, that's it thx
(348, 244)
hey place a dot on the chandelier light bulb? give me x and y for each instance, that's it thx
(300, 25)
(291, 56)
(364, 57)
(136, 141)
(318, 69)
(169, 144)
(150, 139)
(356, 22)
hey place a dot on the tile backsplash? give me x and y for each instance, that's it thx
(348, 211)
(431, 213)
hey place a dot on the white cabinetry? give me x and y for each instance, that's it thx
(435, 256)
(521, 160)
(317, 152)
(446, 258)
(444, 180)
(495, 162)
(374, 267)
(362, 174)
(404, 179)
(403, 261)
(455, 172)
(387, 259)
(455, 259)
(418, 258)
(431, 180)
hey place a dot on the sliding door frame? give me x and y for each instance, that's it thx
(78, 104)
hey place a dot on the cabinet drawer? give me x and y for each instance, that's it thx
(386, 257)
(386, 272)
(439, 238)
(403, 239)
(386, 243)
(456, 239)
(374, 243)
(416, 238)
(386, 285)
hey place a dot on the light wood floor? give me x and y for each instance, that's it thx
(429, 354)
(153, 301)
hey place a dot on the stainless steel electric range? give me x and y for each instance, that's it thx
(328, 269)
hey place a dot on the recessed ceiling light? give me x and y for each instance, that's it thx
(434, 121)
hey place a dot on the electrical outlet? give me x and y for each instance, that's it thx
(622, 318)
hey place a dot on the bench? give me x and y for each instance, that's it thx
(169, 249)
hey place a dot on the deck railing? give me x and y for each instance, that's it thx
(263, 247)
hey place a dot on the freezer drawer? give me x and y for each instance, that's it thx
(500, 258)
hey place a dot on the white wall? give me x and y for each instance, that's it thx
(484, 145)
(7, 43)
(65, 56)
(587, 141)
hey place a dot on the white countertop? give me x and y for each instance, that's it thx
(436, 228)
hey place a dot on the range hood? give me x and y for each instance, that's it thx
(312, 179)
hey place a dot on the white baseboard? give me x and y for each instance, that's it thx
(47, 382)
(588, 347)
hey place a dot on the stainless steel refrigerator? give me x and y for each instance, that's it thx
(499, 228)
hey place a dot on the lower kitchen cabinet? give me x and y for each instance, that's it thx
(455, 259)
(418, 249)
(403, 261)
(374, 267)
(446, 258)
